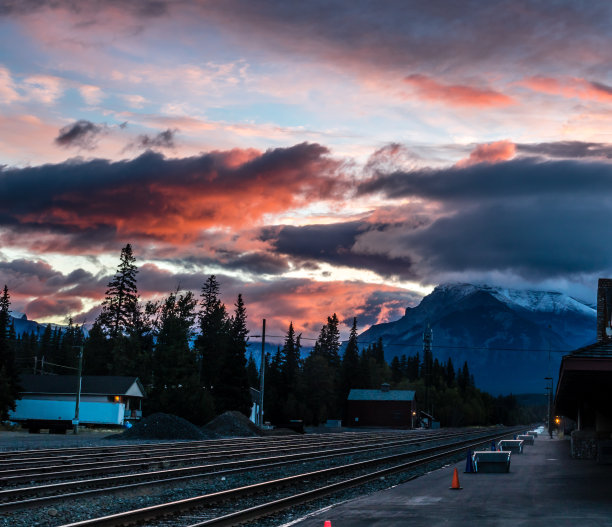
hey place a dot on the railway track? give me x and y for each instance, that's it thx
(57, 468)
(16, 498)
(404, 457)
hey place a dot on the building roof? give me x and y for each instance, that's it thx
(91, 385)
(381, 395)
(602, 348)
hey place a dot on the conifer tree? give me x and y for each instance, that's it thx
(175, 378)
(120, 306)
(350, 363)
(9, 383)
(232, 391)
(213, 340)
(291, 359)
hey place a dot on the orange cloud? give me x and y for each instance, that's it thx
(489, 153)
(571, 88)
(457, 94)
(168, 199)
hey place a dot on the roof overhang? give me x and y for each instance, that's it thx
(583, 381)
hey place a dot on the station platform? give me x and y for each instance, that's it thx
(544, 487)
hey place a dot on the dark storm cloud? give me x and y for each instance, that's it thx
(402, 36)
(520, 178)
(163, 139)
(334, 244)
(157, 198)
(82, 134)
(567, 149)
(147, 8)
(531, 218)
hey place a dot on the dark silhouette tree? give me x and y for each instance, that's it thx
(175, 386)
(120, 306)
(9, 382)
(232, 391)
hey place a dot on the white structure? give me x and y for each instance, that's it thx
(48, 401)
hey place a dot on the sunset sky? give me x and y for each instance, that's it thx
(317, 156)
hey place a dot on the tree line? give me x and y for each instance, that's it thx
(191, 356)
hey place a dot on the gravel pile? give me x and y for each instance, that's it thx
(232, 424)
(163, 426)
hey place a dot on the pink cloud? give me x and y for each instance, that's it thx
(570, 88)
(489, 153)
(456, 94)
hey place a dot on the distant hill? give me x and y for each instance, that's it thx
(496, 330)
(23, 325)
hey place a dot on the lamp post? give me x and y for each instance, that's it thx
(548, 416)
(75, 421)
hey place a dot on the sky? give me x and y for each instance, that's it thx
(316, 157)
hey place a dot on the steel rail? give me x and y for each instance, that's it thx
(34, 471)
(194, 446)
(165, 509)
(132, 481)
(108, 467)
(130, 445)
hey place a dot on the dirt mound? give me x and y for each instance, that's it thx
(163, 426)
(232, 424)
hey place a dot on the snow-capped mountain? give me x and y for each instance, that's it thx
(504, 334)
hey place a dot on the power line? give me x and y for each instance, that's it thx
(434, 346)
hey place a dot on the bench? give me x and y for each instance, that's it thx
(511, 445)
(526, 439)
(486, 461)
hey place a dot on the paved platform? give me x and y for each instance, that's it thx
(544, 487)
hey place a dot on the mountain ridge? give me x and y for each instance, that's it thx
(510, 338)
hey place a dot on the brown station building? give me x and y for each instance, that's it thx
(384, 407)
(584, 389)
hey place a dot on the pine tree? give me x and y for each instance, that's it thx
(122, 320)
(291, 359)
(9, 383)
(350, 363)
(120, 306)
(232, 392)
(175, 385)
(213, 340)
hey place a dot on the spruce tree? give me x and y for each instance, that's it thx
(350, 363)
(121, 320)
(120, 306)
(9, 383)
(213, 340)
(175, 378)
(232, 391)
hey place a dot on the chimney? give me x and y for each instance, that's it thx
(604, 309)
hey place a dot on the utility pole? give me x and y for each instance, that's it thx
(549, 401)
(262, 372)
(75, 421)
(427, 340)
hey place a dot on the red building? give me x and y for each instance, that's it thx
(383, 407)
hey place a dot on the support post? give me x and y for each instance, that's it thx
(75, 421)
(262, 372)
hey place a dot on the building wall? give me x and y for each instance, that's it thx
(380, 413)
(100, 412)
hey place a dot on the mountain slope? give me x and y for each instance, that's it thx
(496, 330)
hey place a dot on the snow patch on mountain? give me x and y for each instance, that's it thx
(542, 301)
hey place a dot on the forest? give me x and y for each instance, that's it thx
(195, 360)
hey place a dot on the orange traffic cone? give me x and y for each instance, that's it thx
(327, 523)
(455, 485)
